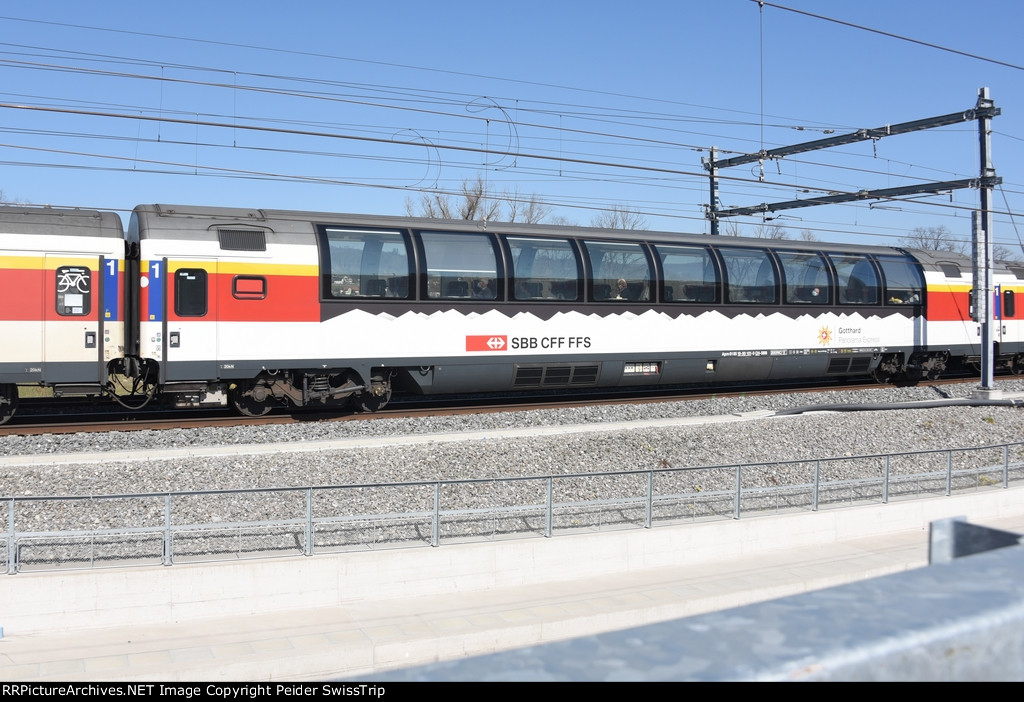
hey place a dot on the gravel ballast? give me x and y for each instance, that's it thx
(607, 447)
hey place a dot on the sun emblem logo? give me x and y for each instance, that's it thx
(824, 336)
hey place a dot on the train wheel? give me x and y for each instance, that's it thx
(377, 398)
(253, 401)
(1017, 364)
(8, 401)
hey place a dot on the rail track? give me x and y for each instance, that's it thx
(45, 417)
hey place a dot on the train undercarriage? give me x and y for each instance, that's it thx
(347, 389)
(257, 397)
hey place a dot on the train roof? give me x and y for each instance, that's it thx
(292, 220)
(60, 222)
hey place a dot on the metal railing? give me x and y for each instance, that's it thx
(178, 527)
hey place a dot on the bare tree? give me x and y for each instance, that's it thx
(434, 205)
(761, 231)
(4, 200)
(935, 239)
(524, 208)
(731, 228)
(1004, 253)
(619, 217)
(770, 231)
(808, 235)
(477, 202)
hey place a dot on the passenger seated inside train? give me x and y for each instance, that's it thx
(482, 289)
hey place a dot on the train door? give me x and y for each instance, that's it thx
(190, 325)
(1009, 326)
(999, 329)
(73, 325)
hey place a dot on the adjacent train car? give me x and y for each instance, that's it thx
(62, 284)
(263, 307)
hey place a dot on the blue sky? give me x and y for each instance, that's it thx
(362, 107)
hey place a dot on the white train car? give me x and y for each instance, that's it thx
(261, 308)
(265, 306)
(62, 275)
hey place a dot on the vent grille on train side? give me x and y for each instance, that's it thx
(242, 239)
(847, 364)
(555, 376)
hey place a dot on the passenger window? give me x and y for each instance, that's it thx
(365, 263)
(249, 287)
(544, 269)
(190, 292)
(74, 291)
(460, 266)
(750, 276)
(806, 278)
(690, 274)
(904, 284)
(856, 279)
(621, 271)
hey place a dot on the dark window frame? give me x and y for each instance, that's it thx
(247, 295)
(184, 304)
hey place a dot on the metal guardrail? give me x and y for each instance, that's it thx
(176, 527)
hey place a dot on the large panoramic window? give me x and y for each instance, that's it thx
(365, 263)
(806, 278)
(621, 271)
(903, 282)
(690, 274)
(544, 269)
(460, 266)
(749, 276)
(856, 280)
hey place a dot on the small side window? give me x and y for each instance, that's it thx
(74, 291)
(249, 287)
(1009, 305)
(190, 292)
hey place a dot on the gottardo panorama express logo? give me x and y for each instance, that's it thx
(824, 336)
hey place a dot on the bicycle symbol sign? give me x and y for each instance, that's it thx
(73, 279)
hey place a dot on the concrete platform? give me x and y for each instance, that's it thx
(354, 614)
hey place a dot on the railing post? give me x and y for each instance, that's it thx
(949, 472)
(885, 482)
(309, 522)
(736, 506)
(435, 530)
(650, 500)
(1006, 466)
(168, 555)
(817, 485)
(548, 518)
(11, 546)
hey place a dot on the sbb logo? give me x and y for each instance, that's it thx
(486, 343)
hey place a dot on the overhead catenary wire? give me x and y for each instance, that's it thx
(640, 120)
